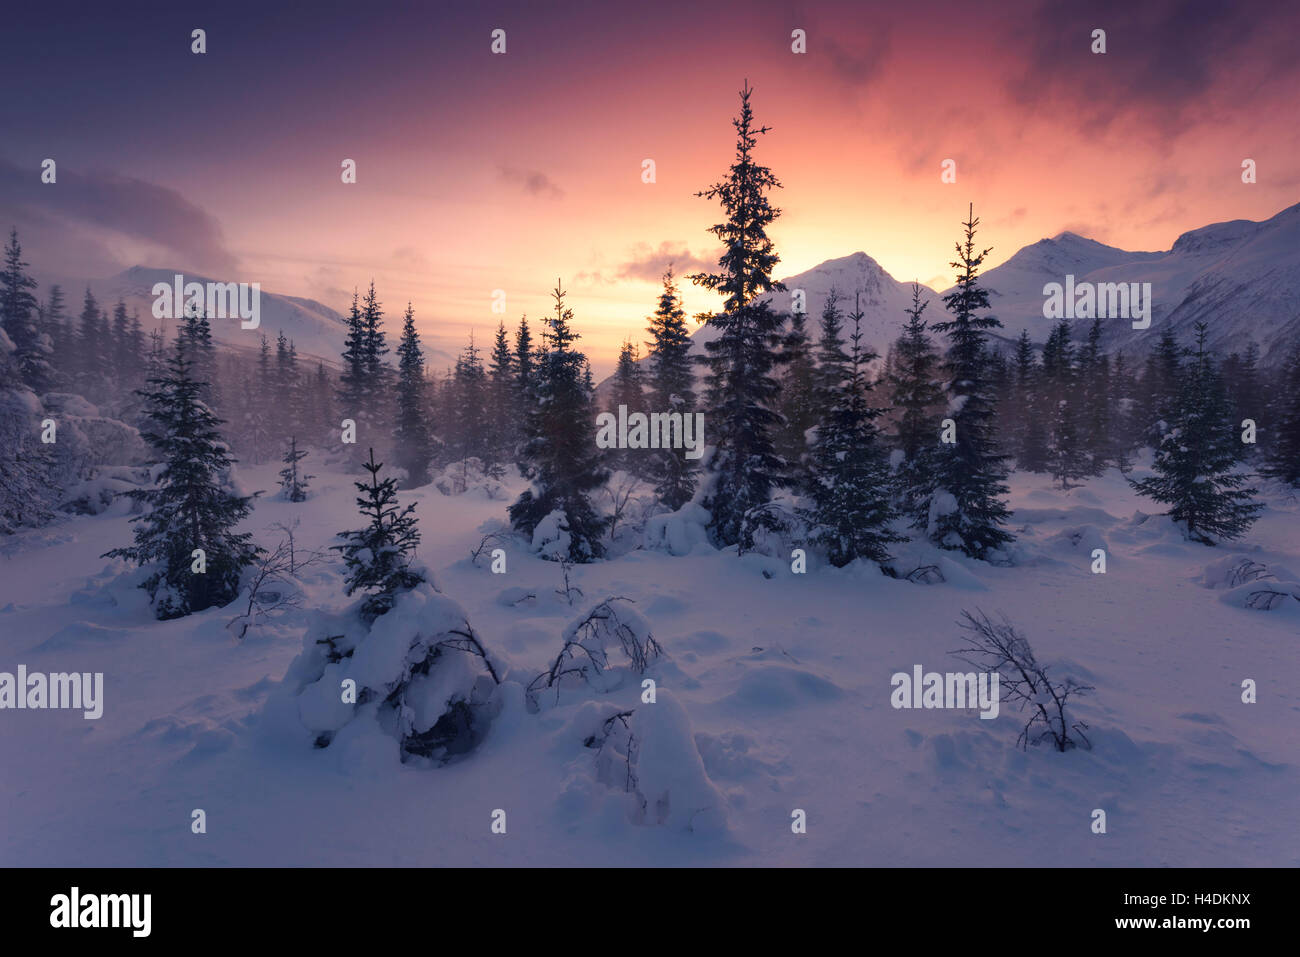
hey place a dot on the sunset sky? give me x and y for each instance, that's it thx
(479, 171)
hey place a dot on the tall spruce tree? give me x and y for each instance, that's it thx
(27, 492)
(968, 512)
(1282, 451)
(192, 506)
(18, 318)
(1067, 458)
(560, 458)
(672, 390)
(916, 392)
(849, 472)
(412, 435)
(797, 400)
(628, 392)
(1030, 408)
(742, 390)
(503, 415)
(1195, 464)
(468, 428)
(352, 381)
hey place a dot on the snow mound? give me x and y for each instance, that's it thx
(780, 687)
(1080, 538)
(673, 788)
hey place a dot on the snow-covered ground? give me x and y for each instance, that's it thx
(783, 681)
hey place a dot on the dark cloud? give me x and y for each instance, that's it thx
(102, 220)
(534, 182)
(1167, 64)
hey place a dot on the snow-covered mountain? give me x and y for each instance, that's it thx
(1242, 277)
(883, 299)
(316, 330)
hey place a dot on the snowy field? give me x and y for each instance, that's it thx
(775, 696)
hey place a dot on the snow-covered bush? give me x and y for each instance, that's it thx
(472, 476)
(588, 640)
(652, 755)
(418, 669)
(679, 532)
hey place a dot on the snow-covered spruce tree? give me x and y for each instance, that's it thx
(352, 381)
(377, 393)
(1029, 438)
(560, 457)
(192, 506)
(1095, 402)
(469, 424)
(503, 420)
(848, 471)
(797, 400)
(287, 390)
(18, 317)
(27, 491)
(741, 388)
(1159, 390)
(407, 657)
(1282, 453)
(832, 360)
(1067, 458)
(411, 435)
(195, 336)
(672, 382)
(966, 510)
(629, 391)
(916, 392)
(293, 480)
(378, 557)
(525, 386)
(1195, 462)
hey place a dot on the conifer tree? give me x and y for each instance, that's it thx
(561, 458)
(744, 467)
(1096, 403)
(797, 400)
(1161, 376)
(849, 473)
(195, 334)
(192, 506)
(525, 384)
(917, 394)
(414, 446)
(378, 557)
(27, 491)
(376, 405)
(18, 318)
(1030, 434)
(469, 417)
(293, 480)
(57, 326)
(1067, 459)
(352, 381)
(832, 360)
(503, 427)
(968, 512)
(1195, 462)
(1282, 452)
(629, 392)
(671, 383)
